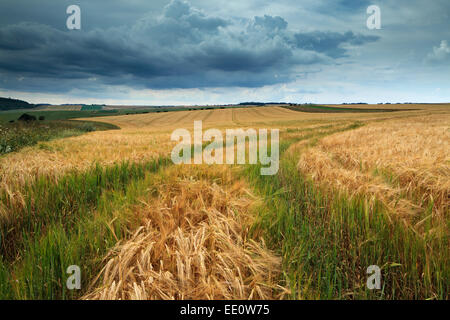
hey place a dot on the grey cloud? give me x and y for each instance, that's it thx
(182, 48)
(331, 43)
(347, 6)
(20, 37)
(440, 54)
(271, 23)
(353, 4)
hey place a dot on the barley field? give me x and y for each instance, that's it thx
(353, 190)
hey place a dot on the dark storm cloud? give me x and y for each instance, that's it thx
(96, 14)
(181, 48)
(20, 37)
(330, 43)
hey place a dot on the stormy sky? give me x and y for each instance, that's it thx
(225, 51)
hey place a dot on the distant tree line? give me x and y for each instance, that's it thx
(11, 104)
(260, 103)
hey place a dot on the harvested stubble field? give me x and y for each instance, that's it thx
(353, 190)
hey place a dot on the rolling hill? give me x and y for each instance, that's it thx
(13, 104)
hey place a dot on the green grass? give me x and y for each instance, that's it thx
(72, 221)
(91, 108)
(327, 241)
(85, 112)
(19, 135)
(6, 116)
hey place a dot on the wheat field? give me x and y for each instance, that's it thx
(146, 229)
(404, 162)
(145, 136)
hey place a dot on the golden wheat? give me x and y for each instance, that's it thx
(404, 163)
(193, 244)
(193, 240)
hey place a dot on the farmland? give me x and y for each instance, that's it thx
(354, 189)
(19, 135)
